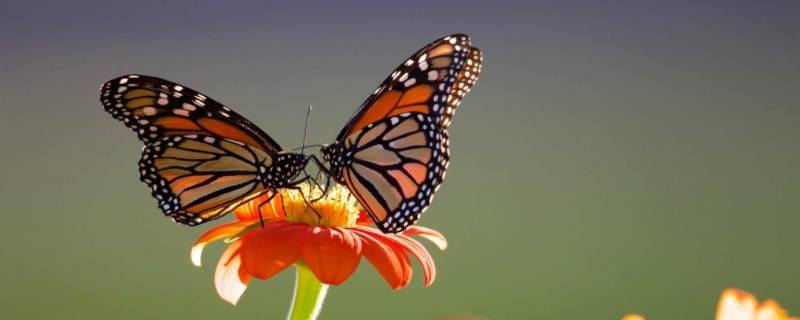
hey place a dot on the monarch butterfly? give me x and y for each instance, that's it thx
(393, 153)
(200, 158)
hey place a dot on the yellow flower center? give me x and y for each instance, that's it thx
(308, 204)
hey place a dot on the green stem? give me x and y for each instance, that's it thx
(309, 294)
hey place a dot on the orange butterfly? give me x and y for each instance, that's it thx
(393, 153)
(200, 158)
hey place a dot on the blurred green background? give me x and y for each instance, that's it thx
(614, 157)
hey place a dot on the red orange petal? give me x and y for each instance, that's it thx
(217, 233)
(331, 253)
(421, 254)
(268, 251)
(363, 218)
(228, 280)
(432, 235)
(387, 257)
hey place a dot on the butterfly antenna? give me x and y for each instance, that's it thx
(303, 150)
(308, 145)
(305, 130)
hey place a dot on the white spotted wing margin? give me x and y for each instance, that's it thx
(150, 107)
(198, 178)
(450, 64)
(397, 165)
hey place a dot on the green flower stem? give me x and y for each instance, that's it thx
(309, 294)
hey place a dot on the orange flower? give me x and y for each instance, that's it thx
(330, 244)
(735, 304)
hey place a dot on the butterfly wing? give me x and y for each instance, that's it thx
(396, 165)
(198, 178)
(200, 158)
(397, 139)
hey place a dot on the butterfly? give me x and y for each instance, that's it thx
(200, 158)
(393, 153)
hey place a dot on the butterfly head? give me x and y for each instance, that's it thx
(334, 155)
(285, 169)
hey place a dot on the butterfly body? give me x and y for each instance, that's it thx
(284, 173)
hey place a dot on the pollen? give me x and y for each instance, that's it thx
(313, 206)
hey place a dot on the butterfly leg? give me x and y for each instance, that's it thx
(299, 190)
(302, 194)
(319, 164)
(324, 191)
(309, 177)
(319, 216)
(260, 216)
(293, 185)
(282, 206)
(322, 169)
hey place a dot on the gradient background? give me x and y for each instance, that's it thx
(614, 157)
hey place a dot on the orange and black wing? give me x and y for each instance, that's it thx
(397, 140)
(198, 178)
(394, 168)
(200, 159)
